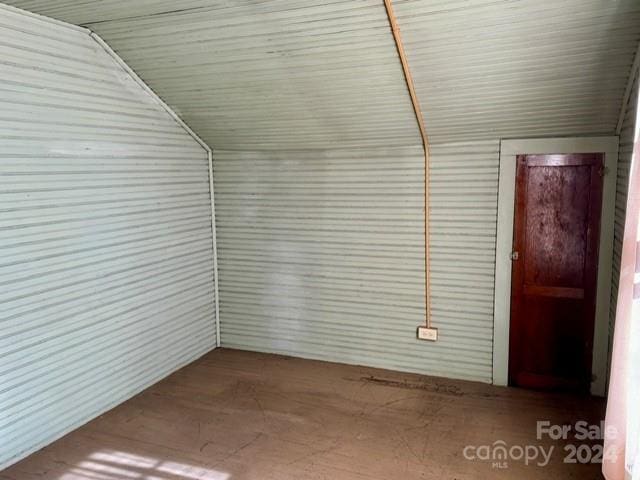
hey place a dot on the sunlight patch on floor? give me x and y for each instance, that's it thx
(115, 465)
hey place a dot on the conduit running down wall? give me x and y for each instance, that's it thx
(395, 29)
(106, 245)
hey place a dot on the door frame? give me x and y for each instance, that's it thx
(509, 149)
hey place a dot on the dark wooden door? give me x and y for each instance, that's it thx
(554, 273)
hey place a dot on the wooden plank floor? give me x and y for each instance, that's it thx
(236, 415)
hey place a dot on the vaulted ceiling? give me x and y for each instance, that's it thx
(292, 74)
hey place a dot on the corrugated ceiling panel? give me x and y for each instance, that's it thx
(525, 68)
(273, 75)
(321, 255)
(81, 12)
(105, 236)
(281, 74)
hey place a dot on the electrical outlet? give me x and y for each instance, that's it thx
(426, 333)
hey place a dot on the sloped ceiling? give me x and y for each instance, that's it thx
(514, 68)
(291, 74)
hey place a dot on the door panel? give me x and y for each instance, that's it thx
(556, 232)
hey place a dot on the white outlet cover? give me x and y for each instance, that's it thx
(426, 333)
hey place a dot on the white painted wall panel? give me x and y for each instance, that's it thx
(624, 167)
(106, 262)
(339, 233)
(321, 255)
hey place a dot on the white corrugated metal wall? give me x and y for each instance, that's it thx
(627, 133)
(321, 255)
(284, 75)
(106, 261)
(270, 78)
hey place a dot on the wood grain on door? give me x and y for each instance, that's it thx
(556, 234)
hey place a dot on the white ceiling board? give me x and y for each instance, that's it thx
(291, 74)
(267, 75)
(519, 68)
